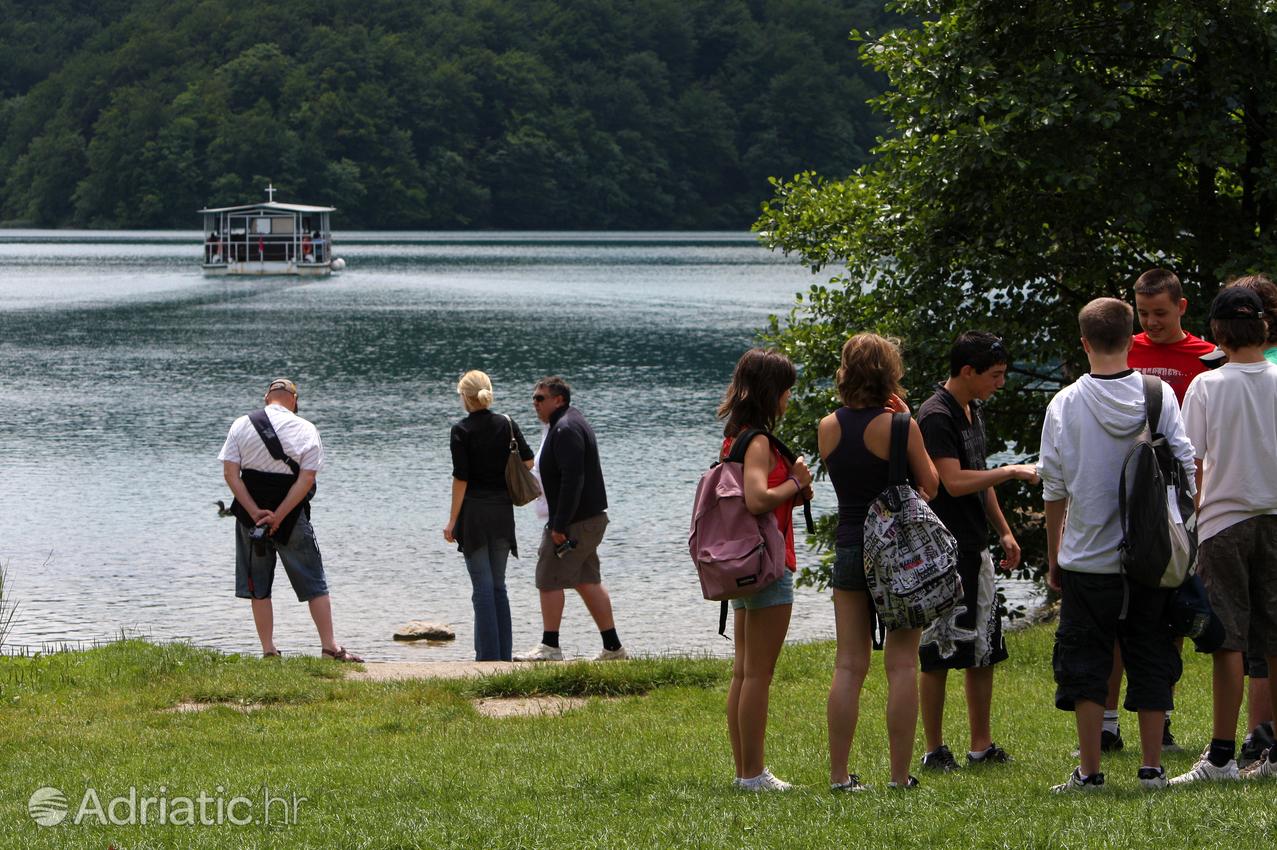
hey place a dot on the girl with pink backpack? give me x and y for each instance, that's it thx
(755, 401)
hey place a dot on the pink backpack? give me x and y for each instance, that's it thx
(736, 553)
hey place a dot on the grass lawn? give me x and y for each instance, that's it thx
(412, 764)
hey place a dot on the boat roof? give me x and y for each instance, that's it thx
(271, 205)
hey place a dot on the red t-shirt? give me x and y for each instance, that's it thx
(1176, 363)
(784, 513)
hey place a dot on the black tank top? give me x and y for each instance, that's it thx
(858, 474)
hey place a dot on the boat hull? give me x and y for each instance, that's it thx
(260, 268)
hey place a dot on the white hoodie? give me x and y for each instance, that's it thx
(1089, 427)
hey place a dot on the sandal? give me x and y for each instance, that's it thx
(275, 654)
(342, 654)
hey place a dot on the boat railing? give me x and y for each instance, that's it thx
(299, 248)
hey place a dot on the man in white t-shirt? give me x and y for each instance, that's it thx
(1231, 417)
(272, 508)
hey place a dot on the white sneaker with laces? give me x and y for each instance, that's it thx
(763, 782)
(618, 654)
(1204, 771)
(1262, 769)
(542, 652)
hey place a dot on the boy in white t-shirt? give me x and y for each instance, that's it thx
(1231, 417)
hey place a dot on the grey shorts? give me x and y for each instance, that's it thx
(581, 563)
(848, 572)
(1239, 568)
(779, 592)
(255, 573)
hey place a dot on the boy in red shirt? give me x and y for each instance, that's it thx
(1165, 349)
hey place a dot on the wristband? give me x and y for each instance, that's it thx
(800, 487)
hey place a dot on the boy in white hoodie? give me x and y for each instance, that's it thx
(1089, 428)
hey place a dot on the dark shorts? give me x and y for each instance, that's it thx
(971, 634)
(1239, 568)
(1090, 606)
(255, 573)
(581, 563)
(849, 569)
(1256, 666)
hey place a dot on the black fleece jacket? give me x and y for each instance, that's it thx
(570, 471)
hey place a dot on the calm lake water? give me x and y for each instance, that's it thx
(122, 366)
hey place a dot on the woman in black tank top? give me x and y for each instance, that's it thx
(854, 446)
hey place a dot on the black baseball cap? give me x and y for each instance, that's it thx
(1237, 302)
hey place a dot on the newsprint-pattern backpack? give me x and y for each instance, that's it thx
(736, 553)
(911, 559)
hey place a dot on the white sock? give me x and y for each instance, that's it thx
(1110, 722)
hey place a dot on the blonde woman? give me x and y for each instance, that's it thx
(481, 520)
(854, 444)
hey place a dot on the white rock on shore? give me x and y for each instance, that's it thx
(424, 630)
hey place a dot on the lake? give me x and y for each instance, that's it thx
(123, 366)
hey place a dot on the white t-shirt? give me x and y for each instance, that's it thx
(1231, 417)
(299, 438)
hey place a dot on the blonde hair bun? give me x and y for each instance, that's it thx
(475, 388)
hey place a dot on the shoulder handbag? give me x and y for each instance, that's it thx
(519, 480)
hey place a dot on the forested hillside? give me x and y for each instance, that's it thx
(430, 114)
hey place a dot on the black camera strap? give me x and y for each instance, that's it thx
(266, 431)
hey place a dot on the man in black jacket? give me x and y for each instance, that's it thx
(572, 479)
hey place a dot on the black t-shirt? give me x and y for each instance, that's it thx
(946, 432)
(481, 449)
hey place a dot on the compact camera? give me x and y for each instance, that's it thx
(259, 533)
(565, 547)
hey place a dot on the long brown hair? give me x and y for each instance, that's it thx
(870, 371)
(753, 397)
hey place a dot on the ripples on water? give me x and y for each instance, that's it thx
(123, 367)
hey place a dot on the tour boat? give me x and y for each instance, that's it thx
(269, 238)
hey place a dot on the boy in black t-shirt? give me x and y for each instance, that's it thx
(970, 638)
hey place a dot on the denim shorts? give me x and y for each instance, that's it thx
(779, 592)
(849, 569)
(255, 572)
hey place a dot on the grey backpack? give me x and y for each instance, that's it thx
(911, 559)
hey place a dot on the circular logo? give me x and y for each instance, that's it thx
(47, 806)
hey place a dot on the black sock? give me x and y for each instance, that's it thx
(550, 639)
(610, 641)
(1221, 751)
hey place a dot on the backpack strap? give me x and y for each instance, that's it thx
(1153, 403)
(737, 455)
(898, 453)
(267, 432)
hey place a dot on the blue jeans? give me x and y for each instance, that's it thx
(492, 632)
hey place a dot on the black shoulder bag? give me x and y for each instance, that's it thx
(269, 489)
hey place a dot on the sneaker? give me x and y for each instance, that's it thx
(1075, 782)
(541, 653)
(911, 783)
(763, 782)
(1261, 768)
(940, 760)
(852, 784)
(1168, 740)
(1204, 771)
(1110, 742)
(1153, 777)
(993, 755)
(1253, 747)
(618, 654)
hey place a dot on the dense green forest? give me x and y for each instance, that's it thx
(438, 113)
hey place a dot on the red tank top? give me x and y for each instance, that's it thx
(784, 513)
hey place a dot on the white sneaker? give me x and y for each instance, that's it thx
(1152, 778)
(1204, 771)
(763, 782)
(618, 654)
(1261, 769)
(541, 653)
(1076, 783)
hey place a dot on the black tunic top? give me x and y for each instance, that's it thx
(480, 451)
(947, 432)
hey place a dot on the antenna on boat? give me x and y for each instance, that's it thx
(270, 193)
